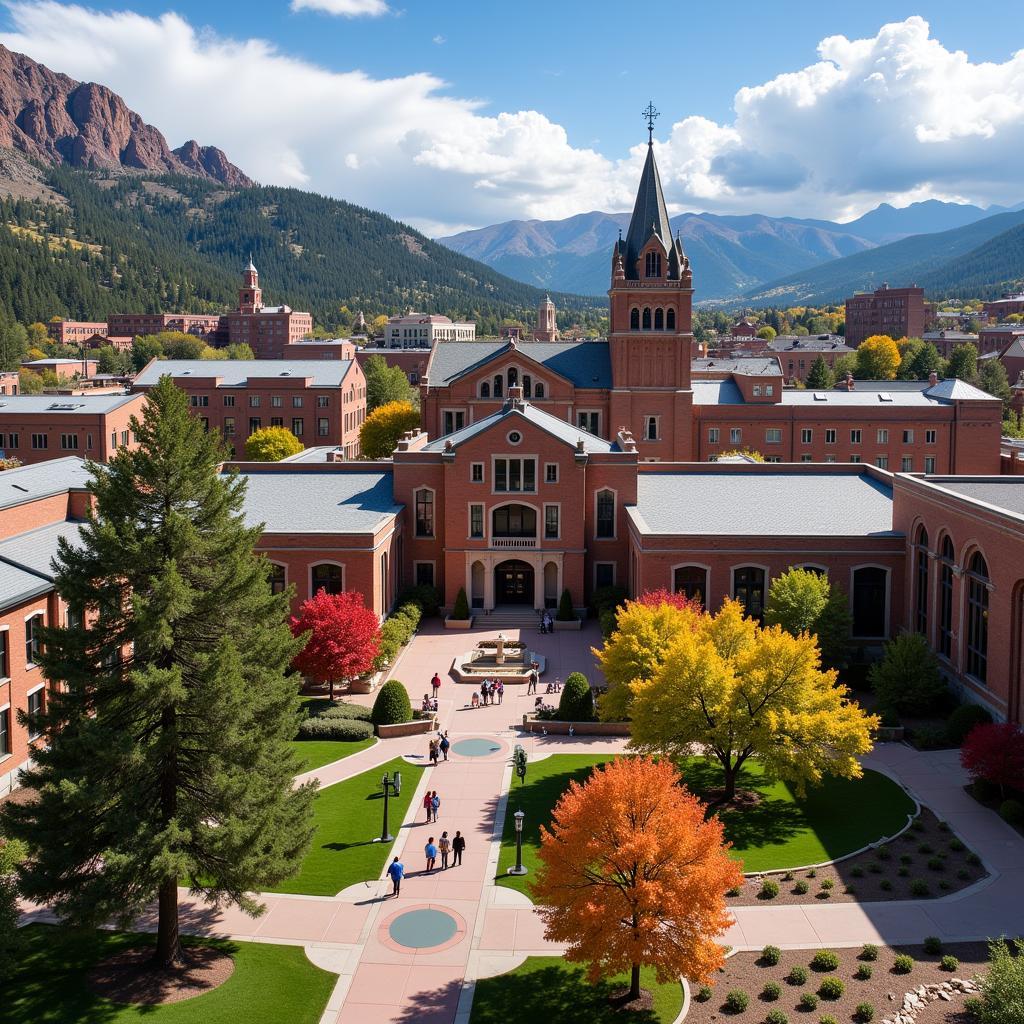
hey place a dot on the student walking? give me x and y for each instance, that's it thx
(458, 845)
(444, 745)
(435, 803)
(430, 852)
(444, 844)
(396, 870)
(483, 692)
(433, 752)
(436, 684)
(531, 686)
(427, 806)
(499, 688)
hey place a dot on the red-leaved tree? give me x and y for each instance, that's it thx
(344, 637)
(653, 598)
(994, 752)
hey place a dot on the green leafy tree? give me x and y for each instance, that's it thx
(767, 332)
(383, 427)
(37, 334)
(13, 345)
(1013, 425)
(144, 349)
(386, 384)
(566, 612)
(833, 627)
(993, 379)
(963, 362)
(907, 679)
(844, 365)
(460, 610)
(30, 383)
(183, 346)
(109, 360)
(271, 444)
(576, 703)
(166, 755)
(796, 600)
(820, 377)
(239, 351)
(12, 853)
(925, 360)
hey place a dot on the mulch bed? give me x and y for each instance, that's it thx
(884, 990)
(129, 977)
(885, 874)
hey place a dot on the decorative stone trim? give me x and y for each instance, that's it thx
(413, 728)
(533, 725)
(917, 999)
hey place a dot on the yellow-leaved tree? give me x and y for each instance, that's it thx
(737, 690)
(878, 358)
(383, 427)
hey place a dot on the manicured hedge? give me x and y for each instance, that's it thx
(322, 728)
(392, 704)
(577, 701)
(343, 710)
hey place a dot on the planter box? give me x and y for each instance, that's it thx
(889, 733)
(533, 725)
(450, 623)
(571, 624)
(413, 728)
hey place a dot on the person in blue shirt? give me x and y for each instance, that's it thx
(396, 870)
(430, 851)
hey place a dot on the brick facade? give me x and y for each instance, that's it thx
(897, 312)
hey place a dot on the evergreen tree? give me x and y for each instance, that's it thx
(13, 345)
(963, 362)
(166, 759)
(993, 379)
(819, 377)
(386, 384)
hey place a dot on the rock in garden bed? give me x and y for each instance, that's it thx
(926, 862)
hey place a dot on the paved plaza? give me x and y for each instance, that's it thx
(415, 958)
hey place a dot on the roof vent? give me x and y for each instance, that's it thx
(884, 396)
(820, 396)
(185, 373)
(18, 487)
(285, 373)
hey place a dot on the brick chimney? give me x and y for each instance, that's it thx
(933, 379)
(515, 395)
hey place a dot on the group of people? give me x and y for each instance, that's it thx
(492, 691)
(439, 747)
(546, 625)
(443, 848)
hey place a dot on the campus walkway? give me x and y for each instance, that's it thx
(496, 927)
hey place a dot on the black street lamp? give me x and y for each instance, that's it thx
(388, 785)
(519, 869)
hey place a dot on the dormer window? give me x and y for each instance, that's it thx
(652, 265)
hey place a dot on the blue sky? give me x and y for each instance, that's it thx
(452, 114)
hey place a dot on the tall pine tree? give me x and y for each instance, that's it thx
(167, 759)
(820, 376)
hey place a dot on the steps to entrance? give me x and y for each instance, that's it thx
(507, 618)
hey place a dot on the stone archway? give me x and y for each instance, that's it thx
(514, 583)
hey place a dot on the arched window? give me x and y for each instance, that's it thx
(605, 517)
(869, 593)
(748, 589)
(634, 319)
(485, 390)
(278, 578)
(538, 390)
(424, 512)
(946, 597)
(513, 376)
(977, 617)
(327, 576)
(647, 318)
(670, 319)
(691, 580)
(527, 384)
(921, 575)
(497, 386)
(659, 319)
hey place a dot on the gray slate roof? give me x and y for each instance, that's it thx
(650, 214)
(63, 404)
(1006, 493)
(586, 364)
(506, 416)
(25, 561)
(332, 501)
(812, 343)
(776, 504)
(325, 373)
(871, 393)
(27, 483)
(748, 366)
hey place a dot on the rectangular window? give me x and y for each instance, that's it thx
(907, 464)
(229, 401)
(476, 520)
(35, 709)
(323, 401)
(255, 423)
(5, 732)
(476, 472)
(323, 426)
(830, 436)
(454, 419)
(32, 638)
(712, 435)
(605, 525)
(757, 390)
(551, 522)
(882, 462)
(519, 475)
(254, 401)
(424, 512)
(12, 440)
(769, 389)
(855, 437)
(229, 426)
(773, 435)
(883, 436)
(5, 665)
(69, 442)
(296, 401)
(124, 437)
(276, 401)
(908, 437)
(39, 441)
(604, 574)
(88, 442)
(806, 458)
(113, 439)
(199, 401)
(855, 458)
(589, 421)
(205, 420)
(929, 437)
(806, 436)
(773, 458)
(929, 463)
(830, 458)
(277, 421)
(551, 472)
(735, 435)
(651, 428)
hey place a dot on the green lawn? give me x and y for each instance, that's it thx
(549, 989)
(317, 753)
(270, 984)
(781, 832)
(348, 818)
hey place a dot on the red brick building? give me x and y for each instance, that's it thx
(411, 361)
(65, 369)
(77, 332)
(798, 354)
(265, 329)
(898, 312)
(202, 325)
(998, 309)
(322, 402)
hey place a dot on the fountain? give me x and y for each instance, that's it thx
(501, 658)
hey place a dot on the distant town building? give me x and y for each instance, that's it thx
(798, 354)
(745, 328)
(320, 348)
(547, 327)
(67, 332)
(511, 332)
(898, 312)
(946, 341)
(205, 326)
(65, 369)
(1000, 308)
(265, 329)
(411, 361)
(422, 330)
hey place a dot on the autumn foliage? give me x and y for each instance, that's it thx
(677, 599)
(995, 752)
(632, 875)
(344, 637)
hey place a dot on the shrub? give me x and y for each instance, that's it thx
(943, 826)
(358, 712)
(788, 876)
(831, 988)
(875, 868)
(949, 963)
(771, 991)
(334, 729)
(607, 619)
(704, 993)
(797, 976)
(392, 704)
(857, 871)
(885, 885)
(1002, 990)
(985, 792)
(864, 1013)
(801, 888)
(902, 963)
(869, 951)
(776, 1017)
(576, 703)
(1012, 812)
(925, 848)
(936, 864)
(963, 874)
(608, 598)
(771, 955)
(962, 720)
(906, 859)
(566, 612)
(827, 883)
(974, 1007)
(863, 972)
(917, 825)
(813, 873)
(824, 894)
(734, 891)
(825, 960)
(973, 859)
(827, 1019)
(411, 611)
(932, 945)
(944, 885)
(736, 1001)
(907, 679)
(769, 890)
(808, 1001)
(919, 887)
(883, 853)
(903, 871)
(460, 610)
(424, 596)
(956, 846)
(12, 853)
(995, 753)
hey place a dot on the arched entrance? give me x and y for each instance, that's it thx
(513, 583)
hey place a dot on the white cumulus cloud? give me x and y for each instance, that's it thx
(344, 8)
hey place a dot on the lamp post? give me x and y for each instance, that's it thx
(519, 869)
(388, 785)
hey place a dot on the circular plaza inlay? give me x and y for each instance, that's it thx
(475, 747)
(422, 929)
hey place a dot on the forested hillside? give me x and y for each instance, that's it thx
(123, 243)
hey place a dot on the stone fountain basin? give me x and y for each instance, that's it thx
(467, 669)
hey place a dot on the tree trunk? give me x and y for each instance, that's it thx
(168, 940)
(634, 983)
(331, 684)
(729, 790)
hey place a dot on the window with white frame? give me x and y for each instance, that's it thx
(882, 462)
(830, 435)
(35, 702)
(773, 435)
(651, 430)
(604, 527)
(735, 435)
(5, 657)
(424, 502)
(929, 463)
(33, 624)
(551, 472)
(589, 421)
(515, 475)
(929, 437)
(476, 472)
(806, 458)
(551, 522)
(5, 730)
(883, 436)
(712, 435)
(908, 436)
(278, 578)
(476, 521)
(855, 436)
(806, 435)
(328, 576)
(454, 419)
(907, 464)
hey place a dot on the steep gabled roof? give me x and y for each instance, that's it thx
(585, 364)
(650, 215)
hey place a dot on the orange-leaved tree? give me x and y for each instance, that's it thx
(633, 875)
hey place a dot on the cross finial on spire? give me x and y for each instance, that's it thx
(650, 114)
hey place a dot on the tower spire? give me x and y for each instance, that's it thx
(650, 114)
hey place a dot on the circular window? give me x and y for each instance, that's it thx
(514, 437)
